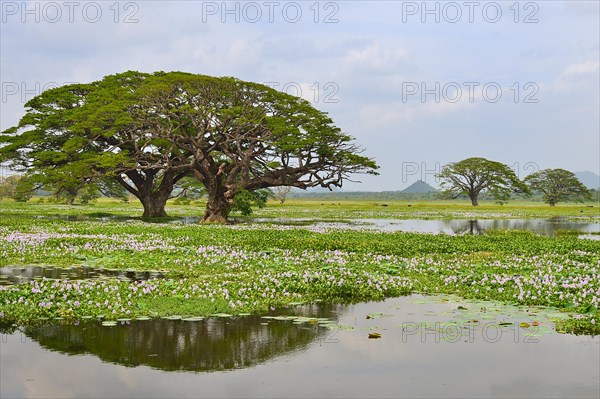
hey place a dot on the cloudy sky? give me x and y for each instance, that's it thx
(418, 84)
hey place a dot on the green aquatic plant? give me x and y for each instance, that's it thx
(197, 271)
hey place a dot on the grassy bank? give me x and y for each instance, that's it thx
(324, 209)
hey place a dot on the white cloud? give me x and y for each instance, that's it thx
(376, 59)
(582, 68)
(577, 76)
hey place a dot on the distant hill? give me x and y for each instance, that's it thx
(589, 179)
(419, 187)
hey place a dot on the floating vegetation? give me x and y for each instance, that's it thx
(222, 271)
(174, 317)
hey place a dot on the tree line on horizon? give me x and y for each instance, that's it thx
(550, 186)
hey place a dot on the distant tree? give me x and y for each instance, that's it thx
(558, 185)
(280, 193)
(66, 183)
(473, 176)
(8, 186)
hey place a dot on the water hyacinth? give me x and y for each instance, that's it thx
(252, 268)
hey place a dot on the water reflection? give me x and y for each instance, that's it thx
(415, 356)
(447, 226)
(208, 345)
(547, 227)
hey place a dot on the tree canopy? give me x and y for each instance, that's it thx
(149, 131)
(473, 176)
(557, 185)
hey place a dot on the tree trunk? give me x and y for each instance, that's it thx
(552, 203)
(154, 205)
(474, 200)
(144, 188)
(217, 207)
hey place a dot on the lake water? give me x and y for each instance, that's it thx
(428, 347)
(434, 226)
(451, 226)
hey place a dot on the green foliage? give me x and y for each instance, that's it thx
(24, 190)
(558, 185)
(245, 200)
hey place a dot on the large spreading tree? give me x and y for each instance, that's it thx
(149, 131)
(557, 185)
(473, 176)
(245, 137)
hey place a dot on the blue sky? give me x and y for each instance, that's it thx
(415, 92)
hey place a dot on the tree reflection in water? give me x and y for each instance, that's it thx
(547, 227)
(209, 345)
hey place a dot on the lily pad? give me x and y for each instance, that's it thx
(174, 317)
(345, 327)
(328, 326)
(224, 315)
(195, 318)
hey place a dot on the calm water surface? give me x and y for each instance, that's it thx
(435, 226)
(429, 347)
(454, 226)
